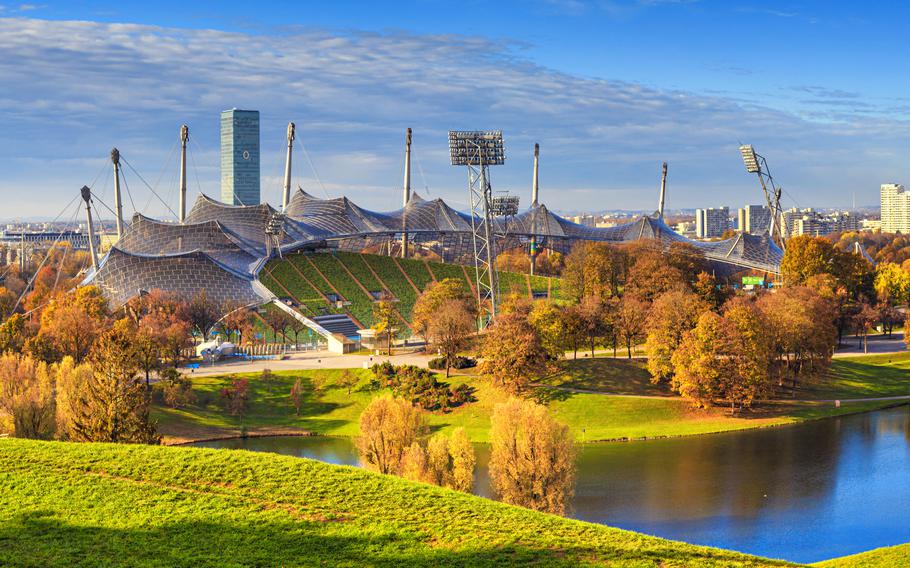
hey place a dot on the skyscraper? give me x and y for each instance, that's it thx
(711, 222)
(240, 157)
(754, 219)
(895, 209)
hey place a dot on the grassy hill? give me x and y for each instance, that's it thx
(888, 557)
(311, 278)
(98, 504)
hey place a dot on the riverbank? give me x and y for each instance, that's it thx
(618, 403)
(67, 504)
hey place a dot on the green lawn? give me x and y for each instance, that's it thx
(65, 504)
(591, 416)
(890, 557)
(864, 376)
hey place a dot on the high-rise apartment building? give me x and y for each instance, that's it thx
(754, 219)
(895, 208)
(798, 222)
(711, 222)
(240, 157)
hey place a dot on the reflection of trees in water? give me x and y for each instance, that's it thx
(736, 474)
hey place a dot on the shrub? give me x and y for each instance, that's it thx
(420, 386)
(458, 362)
(176, 388)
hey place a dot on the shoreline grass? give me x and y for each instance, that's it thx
(637, 410)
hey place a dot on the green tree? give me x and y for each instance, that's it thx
(111, 403)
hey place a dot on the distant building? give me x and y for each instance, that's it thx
(872, 225)
(895, 208)
(754, 219)
(585, 220)
(711, 222)
(811, 222)
(240, 157)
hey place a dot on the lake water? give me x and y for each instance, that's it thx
(804, 493)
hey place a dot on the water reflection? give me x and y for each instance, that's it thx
(804, 493)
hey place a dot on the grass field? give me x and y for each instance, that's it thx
(890, 557)
(635, 408)
(102, 505)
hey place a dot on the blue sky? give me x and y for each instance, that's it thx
(609, 89)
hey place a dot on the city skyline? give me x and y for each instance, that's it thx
(604, 128)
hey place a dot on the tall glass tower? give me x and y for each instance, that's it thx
(240, 157)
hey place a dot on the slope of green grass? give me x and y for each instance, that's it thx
(416, 271)
(64, 504)
(889, 557)
(512, 284)
(864, 376)
(361, 303)
(387, 270)
(443, 271)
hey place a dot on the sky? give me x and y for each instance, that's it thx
(609, 89)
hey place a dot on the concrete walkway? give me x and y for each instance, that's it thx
(878, 345)
(307, 361)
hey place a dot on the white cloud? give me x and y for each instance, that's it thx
(74, 89)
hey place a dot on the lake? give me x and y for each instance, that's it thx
(805, 493)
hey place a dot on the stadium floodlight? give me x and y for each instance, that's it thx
(756, 164)
(476, 148)
(750, 158)
(505, 205)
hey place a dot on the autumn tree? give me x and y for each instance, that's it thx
(278, 321)
(688, 259)
(236, 397)
(238, 325)
(513, 353)
(8, 300)
(71, 322)
(710, 290)
(596, 319)
(532, 458)
(801, 323)
(672, 315)
(630, 317)
(27, 396)
(388, 427)
(651, 275)
(13, 334)
(724, 358)
(451, 329)
(297, 395)
(109, 404)
(431, 300)
(202, 313)
(892, 284)
(442, 460)
(176, 388)
(863, 323)
(385, 320)
(549, 322)
(594, 269)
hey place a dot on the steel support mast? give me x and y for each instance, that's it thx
(87, 197)
(478, 150)
(184, 136)
(407, 193)
(118, 201)
(286, 196)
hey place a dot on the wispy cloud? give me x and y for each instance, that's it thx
(74, 89)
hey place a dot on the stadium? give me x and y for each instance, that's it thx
(222, 249)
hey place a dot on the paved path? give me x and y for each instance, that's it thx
(878, 345)
(307, 361)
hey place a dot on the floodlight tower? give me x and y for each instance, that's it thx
(756, 164)
(478, 150)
